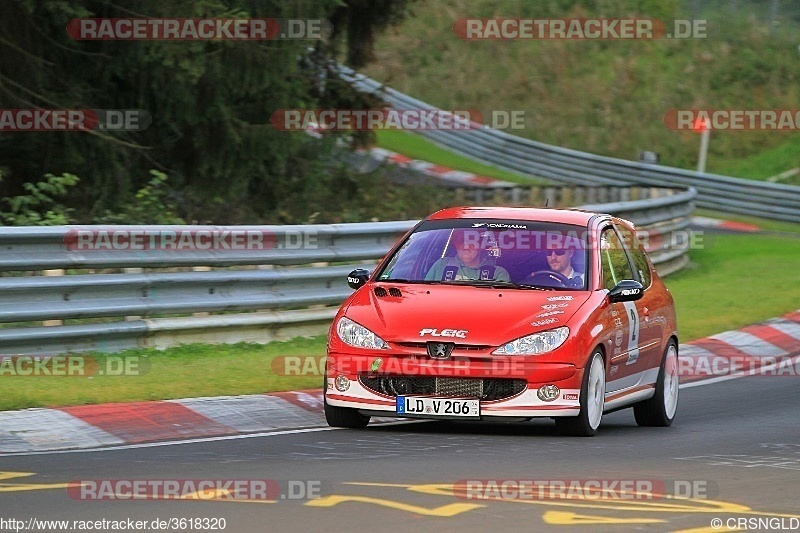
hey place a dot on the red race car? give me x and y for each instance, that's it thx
(482, 313)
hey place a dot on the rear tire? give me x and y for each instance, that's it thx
(593, 394)
(659, 411)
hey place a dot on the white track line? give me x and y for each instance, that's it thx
(199, 440)
(709, 381)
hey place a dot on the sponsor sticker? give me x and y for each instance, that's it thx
(433, 332)
(550, 307)
(544, 322)
(549, 313)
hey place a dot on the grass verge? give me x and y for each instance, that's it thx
(607, 96)
(762, 165)
(417, 147)
(736, 280)
(763, 223)
(183, 371)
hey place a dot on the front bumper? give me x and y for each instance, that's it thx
(507, 387)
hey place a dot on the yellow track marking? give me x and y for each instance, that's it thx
(563, 518)
(448, 510)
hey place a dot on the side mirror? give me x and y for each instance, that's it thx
(359, 277)
(626, 290)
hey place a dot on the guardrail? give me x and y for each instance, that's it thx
(290, 281)
(728, 194)
(38, 248)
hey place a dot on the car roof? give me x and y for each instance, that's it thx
(564, 216)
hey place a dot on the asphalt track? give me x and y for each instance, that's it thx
(734, 442)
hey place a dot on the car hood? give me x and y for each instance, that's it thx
(461, 314)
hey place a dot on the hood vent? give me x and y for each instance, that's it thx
(380, 292)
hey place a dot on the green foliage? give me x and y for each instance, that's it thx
(723, 288)
(331, 192)
(211, 101)
(40, 206)
(154, 204)
(770, 162)
(417, 147)
(605, 97)
(358, 21)
(181, 371)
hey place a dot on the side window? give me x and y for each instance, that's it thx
(413, 259)
(639, 259)
(613, 259)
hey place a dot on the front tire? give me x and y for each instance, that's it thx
(342, 417)
(659, 411)
(593, 394)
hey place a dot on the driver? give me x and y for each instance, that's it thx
(559, 259)
(470, 262)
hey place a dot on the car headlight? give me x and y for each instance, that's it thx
(357, 335)
(538, 343)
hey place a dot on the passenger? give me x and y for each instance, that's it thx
(470, 262)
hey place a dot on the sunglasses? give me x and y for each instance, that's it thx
(559, 253)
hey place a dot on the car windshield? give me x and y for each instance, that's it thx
(493, 254)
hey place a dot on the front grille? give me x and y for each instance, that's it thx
(459, 387)
(458, 347)
(485, 389)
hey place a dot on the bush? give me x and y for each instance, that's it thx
(39, 207)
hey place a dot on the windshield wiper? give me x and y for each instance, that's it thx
(488, 283)
(495, 284)
(402, 280)
(542, 287)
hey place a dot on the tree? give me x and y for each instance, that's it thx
(210, 101)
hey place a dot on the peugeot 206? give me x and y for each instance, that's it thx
(490, 313)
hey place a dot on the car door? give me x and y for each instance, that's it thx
(625, 364)
(650, 330)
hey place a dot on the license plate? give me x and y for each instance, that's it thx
(426, 406)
